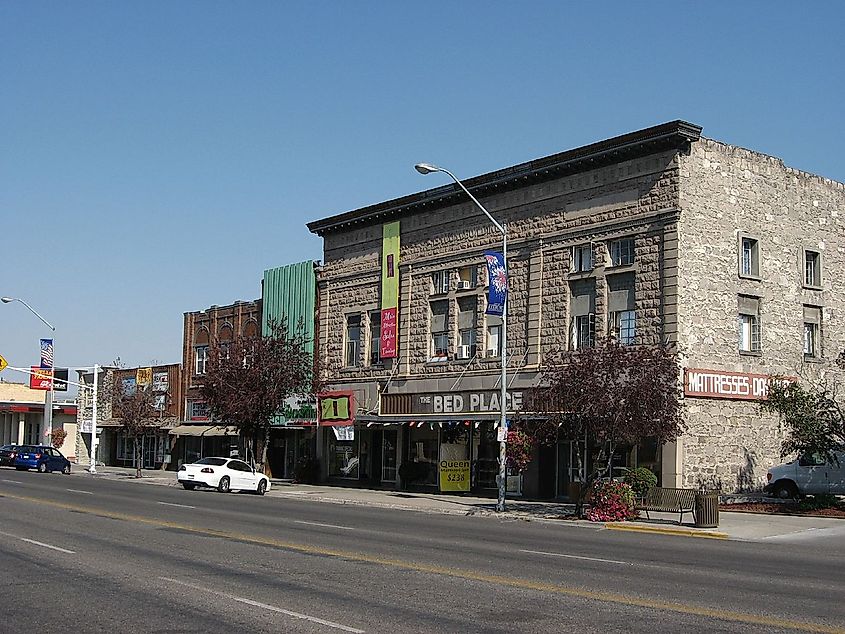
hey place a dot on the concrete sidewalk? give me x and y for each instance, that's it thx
(732, 525)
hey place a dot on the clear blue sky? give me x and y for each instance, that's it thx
(157, 156)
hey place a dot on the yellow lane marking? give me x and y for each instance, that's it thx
(613, 526)
(513, 582)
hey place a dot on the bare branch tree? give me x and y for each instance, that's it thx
(135, 407)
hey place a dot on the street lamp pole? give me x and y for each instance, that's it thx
(427, 168)
(48, 398)
(92, 468)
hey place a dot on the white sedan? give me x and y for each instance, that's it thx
(223, 474)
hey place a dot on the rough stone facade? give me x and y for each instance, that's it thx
(729, 192)
(685, 202)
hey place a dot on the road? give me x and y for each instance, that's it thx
(89, 554)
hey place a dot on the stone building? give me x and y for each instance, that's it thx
(657, 235)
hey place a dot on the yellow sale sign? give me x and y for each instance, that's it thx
(454, 475)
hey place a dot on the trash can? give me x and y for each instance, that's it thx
(707, 510)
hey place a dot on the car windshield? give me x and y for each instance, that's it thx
(215, 462)
(29, 449)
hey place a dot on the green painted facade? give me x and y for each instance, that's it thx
(290, 293)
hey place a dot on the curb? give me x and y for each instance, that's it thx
(681, 532)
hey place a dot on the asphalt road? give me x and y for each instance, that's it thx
(86, 554)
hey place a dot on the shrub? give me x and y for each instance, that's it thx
(519, 450)
(819, 501)
(640, 480)
(57, 437)
(611, 501)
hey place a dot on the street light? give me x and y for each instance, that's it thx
(428, 168)
(48, 399)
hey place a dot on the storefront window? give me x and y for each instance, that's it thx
(388, 456)
(424, 453)
(486, 450)
(343, 458)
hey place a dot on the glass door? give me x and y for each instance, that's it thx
(389, 446)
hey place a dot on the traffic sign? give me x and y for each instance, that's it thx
(3, 364)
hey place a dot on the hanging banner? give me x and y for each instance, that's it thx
(60, 377)
(336, 408)
(388, 348)
(497, 290)
(46, 353)
(40, 378)
(143, 377)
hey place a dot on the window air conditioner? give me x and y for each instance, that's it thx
(464, 352)
(464, 285)
(492, 353)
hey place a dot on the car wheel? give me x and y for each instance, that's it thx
(786, 490)
(42, 468)
(189, 485)
(66, 469)
(262, 487)
(223, 485)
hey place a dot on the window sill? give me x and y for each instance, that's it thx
(582, 275)
(813, 359)
(351, 368)
(751, 353)
(812, 287)
(753, 278)
(621, 268)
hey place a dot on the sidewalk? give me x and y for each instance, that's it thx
(734, 526)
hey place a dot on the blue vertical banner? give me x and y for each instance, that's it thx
(497, 290)
(46, 353)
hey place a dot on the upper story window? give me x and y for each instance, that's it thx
(812, 332)
(440, 282)
(749, 324)
(582, 258)
(467, 277)
(466, 327)
(749, 257)
(583, 309)
(352, 357)
(494, 336)
(622, 252)
(200, 359)
(375, 338)
(621, 307)
(812, 268)
(439, 330)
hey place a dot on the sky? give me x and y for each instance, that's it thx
(156, 157)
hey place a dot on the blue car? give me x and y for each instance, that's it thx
(42, 458)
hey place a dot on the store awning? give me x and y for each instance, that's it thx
(204, 430)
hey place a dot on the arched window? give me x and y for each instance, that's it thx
(200, 350)
(226, 333)
(251, 329)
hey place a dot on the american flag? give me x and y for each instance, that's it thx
(46, 353)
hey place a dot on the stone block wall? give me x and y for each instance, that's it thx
(727, 192)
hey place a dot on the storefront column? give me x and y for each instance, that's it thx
(672, 464)
(21, 429)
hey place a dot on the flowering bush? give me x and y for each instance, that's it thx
(518, 450)
(611, 501)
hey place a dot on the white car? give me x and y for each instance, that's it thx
(223, 474)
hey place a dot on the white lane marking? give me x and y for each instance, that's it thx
(271, 608)
(80, 491)
(344, 528)
(13, 481)
(32, 541)
(606, 561)
(184, 506)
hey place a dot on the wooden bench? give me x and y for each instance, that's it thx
(668, 500)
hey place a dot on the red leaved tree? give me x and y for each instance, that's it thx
(611, 394)
(248, 379)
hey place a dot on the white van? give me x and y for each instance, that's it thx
(808, 474)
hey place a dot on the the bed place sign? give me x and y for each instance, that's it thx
(722, 384)
(467, 402)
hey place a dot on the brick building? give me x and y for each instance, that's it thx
(657, 235)
(198, 436)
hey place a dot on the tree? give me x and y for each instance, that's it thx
(248, 379)
(57, 437)
(610, 394)
(135, 406)
(813, 416)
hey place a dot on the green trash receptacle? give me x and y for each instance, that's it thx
(707, 510)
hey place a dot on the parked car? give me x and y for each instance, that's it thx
(809, 474)
(41, 457)
(223, 474)
(7, 455)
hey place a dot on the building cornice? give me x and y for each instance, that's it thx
(673, 135)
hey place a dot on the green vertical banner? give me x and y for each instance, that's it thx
(389, 290)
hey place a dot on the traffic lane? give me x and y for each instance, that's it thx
(454, 537)
(666, 585)
(146, 562)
